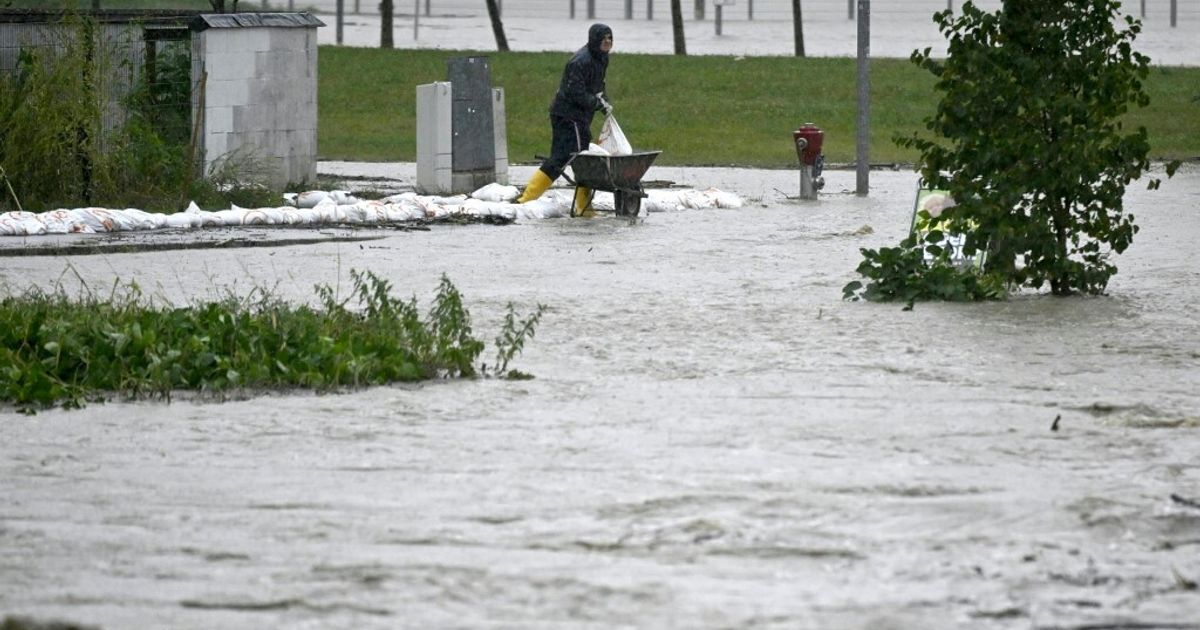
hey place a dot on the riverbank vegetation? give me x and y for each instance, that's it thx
(699, 110)
(58, 350)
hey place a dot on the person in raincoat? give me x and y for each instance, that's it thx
(580, 95)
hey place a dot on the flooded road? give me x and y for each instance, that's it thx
(714, 440)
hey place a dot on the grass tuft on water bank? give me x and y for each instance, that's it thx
(58, 350)
(699, 110)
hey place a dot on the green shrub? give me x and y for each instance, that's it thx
(56, 350)
(1029, 139)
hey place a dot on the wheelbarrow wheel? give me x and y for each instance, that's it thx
(627, 204)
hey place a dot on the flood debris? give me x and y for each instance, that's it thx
(1192, 503)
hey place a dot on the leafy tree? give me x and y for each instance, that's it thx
(1029, 139)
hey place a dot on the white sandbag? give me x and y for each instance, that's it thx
(595, 149)
(724, 199)
(400, 197)
(291, 216)
(372, 211)
(343, 197)
(210, 219)
(400, 212)
(232, 216)
(612, 139)
(496, 192)
(305, 216)
(310, 198)
(325, 212)
(133, 219)
(58, 222)
(98, 219)
(266, 216)
(481, 208)
(20, 223)
(183, 220)
(78, 224)
(355, 213)
(547, 207)
(10, 223)
(253, 216)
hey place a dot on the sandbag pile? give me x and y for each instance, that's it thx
(340, 207)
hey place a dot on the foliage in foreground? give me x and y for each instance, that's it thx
(1029, 139)
(55, 350)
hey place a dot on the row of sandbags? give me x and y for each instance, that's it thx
(340, 207)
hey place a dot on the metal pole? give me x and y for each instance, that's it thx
(718, 20)
(649, 9)
(950, 5)
(356, 7)
(498, 7)
(572, 9)
(750, 10)
(591, 6)
(1174, 11)
(862, 144)
(1143, 9)
(341, 11)
(850, 10)
(416, 17)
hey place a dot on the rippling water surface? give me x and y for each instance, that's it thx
(713, 440)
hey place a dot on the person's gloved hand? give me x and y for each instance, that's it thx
(605, 105)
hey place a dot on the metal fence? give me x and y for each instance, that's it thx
(1176, 12)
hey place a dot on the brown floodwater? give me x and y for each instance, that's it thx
(713, 439)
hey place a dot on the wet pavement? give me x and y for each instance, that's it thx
(897, 28)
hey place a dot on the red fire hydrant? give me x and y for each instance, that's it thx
(809, 139)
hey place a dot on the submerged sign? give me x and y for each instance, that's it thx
(929, 204)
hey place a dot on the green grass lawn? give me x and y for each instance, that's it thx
(699, 110)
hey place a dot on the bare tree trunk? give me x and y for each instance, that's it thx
(677, 26)
(385, 21)
(497, 26)
(798, 27)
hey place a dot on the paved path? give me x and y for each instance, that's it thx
(896, 30)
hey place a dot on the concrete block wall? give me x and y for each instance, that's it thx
(258, 95)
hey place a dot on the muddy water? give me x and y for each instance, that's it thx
(713, 440)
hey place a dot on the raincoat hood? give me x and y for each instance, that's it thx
(596, 35)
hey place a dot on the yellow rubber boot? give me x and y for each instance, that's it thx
(536, 186)
(583, 203)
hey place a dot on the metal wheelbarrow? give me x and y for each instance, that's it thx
(620, 175)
